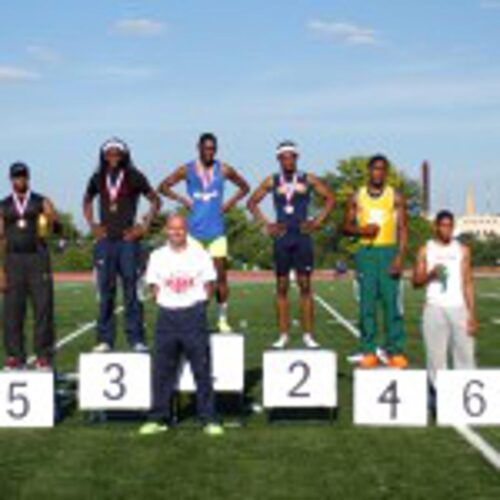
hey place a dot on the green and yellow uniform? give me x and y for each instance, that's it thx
(373, 262)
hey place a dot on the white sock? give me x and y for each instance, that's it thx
(223, 311)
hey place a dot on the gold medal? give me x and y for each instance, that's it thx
(113, 207)
(21, 223)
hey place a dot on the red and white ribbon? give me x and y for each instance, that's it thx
(114, 187)
(206, 176)
(21, 205)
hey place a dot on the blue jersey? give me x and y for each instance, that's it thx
(292, 209)
(206, 221)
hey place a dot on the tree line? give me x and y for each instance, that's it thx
(251, 248)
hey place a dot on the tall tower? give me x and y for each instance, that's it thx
(470, 203)
(426, 186)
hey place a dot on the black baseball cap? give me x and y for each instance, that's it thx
(19, 169)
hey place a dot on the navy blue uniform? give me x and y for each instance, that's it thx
(294, 249)
(115, 257)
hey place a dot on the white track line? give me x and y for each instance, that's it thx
(473, 438)
(340, 319)
(490, 295)
(74, 335)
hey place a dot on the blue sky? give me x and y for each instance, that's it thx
(416, 80)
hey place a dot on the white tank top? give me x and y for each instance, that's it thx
(450, 291)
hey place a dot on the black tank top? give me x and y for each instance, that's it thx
(292, 213)
(22, 238)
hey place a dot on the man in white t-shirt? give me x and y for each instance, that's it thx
(449, 324)
(181, 276)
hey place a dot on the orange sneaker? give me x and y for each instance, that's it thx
(369, 360)
(398, 361)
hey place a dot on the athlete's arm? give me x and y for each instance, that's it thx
(469, 292)
(350, 226)
(154, 209)
(321, 189)
(98, 230)
(420, 275)
(253, 206)
(138, 231)
(232, 175)
(52, 217)
(397, 265)
(170, 181)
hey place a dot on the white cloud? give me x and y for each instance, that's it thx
(43, 54)
(490, 4)
(345, 33)
(11, 74)
(140, 27)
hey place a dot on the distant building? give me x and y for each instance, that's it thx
(480, 225)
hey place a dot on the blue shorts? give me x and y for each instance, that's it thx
(293, 251)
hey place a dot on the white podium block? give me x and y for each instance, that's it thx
(468, 397)
(300, 379)
(387, 397)
(115, 381)
(27, 399)
(228, 365)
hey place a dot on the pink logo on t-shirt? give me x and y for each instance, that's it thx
(179, 284)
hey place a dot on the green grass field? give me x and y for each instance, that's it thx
(82, 460)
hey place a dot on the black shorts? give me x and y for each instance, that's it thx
(293, 252)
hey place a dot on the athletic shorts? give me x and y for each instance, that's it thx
(293, 252)
(217, 248)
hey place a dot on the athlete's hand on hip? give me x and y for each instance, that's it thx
(310, 226)
(275, 229)
(397, 266)
(227, 207)
(98, 231)
(134, 233)
(187, 202)
(369, 231)
(472, 326)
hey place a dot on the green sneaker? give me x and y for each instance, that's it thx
(224, 326)
(213, 430)
(151, 428)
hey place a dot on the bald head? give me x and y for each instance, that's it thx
(176, 231)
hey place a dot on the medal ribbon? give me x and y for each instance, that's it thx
(289, 188)
(114, 188)
(21, 206)
(206, 176)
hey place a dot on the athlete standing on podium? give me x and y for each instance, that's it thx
(377, 214)
(205, 179)
(293, 246)
(119, 185)
(444, 268)
(26, 219)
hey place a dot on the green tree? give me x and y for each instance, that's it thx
(249, 246)
(485, 252)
